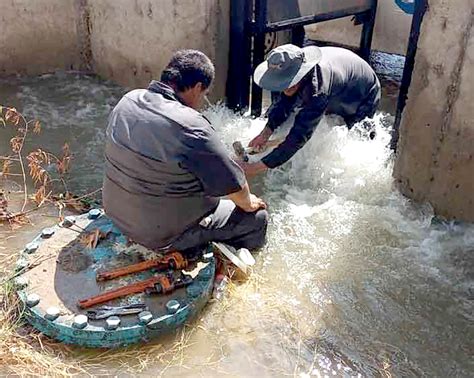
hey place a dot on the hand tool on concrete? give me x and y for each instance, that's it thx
(173, 260)
(105, 312)
(169, 284)
(159, 284)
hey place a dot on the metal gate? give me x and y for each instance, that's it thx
(252, 20)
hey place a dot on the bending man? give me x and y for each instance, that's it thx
(317, 81)
(166, 169)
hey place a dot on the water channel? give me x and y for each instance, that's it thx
(356, 280)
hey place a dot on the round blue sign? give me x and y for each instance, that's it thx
(408, 6)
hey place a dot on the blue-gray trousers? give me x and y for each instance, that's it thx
(228, 224)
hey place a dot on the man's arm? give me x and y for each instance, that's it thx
(278, 113)
(219, 175)
(280, 110)
(246, 200)
(305, 123)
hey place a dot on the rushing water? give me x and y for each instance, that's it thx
(355, 279)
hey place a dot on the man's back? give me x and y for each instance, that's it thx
(150, 192)
(347, 79)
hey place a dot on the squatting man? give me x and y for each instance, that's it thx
(167, 172)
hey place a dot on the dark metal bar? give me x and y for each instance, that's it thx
(306, 20)
(298, 36)
(247, 59)
(240, 55)
(258, 52)
(368, 32)
(420, 9)
(235, 40)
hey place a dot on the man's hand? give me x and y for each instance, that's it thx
(254, 204)
(247, 201)
(259, 142)
(252, 169)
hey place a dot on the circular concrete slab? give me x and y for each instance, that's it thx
(59, 270)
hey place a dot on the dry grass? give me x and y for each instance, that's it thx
(24, 352)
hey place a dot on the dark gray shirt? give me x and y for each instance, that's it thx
(342, 83)
(165, 167)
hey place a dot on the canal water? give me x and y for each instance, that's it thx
(355, 280)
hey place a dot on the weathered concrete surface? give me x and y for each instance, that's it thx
(128, 41)
(38, 36)
(435, 159)
(392, 29)
(132, 40)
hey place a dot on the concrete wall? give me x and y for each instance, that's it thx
(391, 33)
(127, 41)
(132, 40)
(435, 159)
(38, 36)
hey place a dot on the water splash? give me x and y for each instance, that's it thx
(365, 265)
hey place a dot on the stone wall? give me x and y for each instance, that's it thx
(38, 36)
(435, 159)
(132, 40)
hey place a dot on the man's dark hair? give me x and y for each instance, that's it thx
(187, 68)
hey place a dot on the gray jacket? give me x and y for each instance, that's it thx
(165, 167)
(342, 83)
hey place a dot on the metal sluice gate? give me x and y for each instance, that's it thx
(253, 20)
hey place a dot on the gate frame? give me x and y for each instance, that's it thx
(248, 26)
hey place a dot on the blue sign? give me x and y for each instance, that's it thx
(408, 6)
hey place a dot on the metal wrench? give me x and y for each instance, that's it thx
(106, 311)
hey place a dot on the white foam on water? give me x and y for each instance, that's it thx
(352, 250)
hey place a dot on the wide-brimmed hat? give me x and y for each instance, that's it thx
(285, 66)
